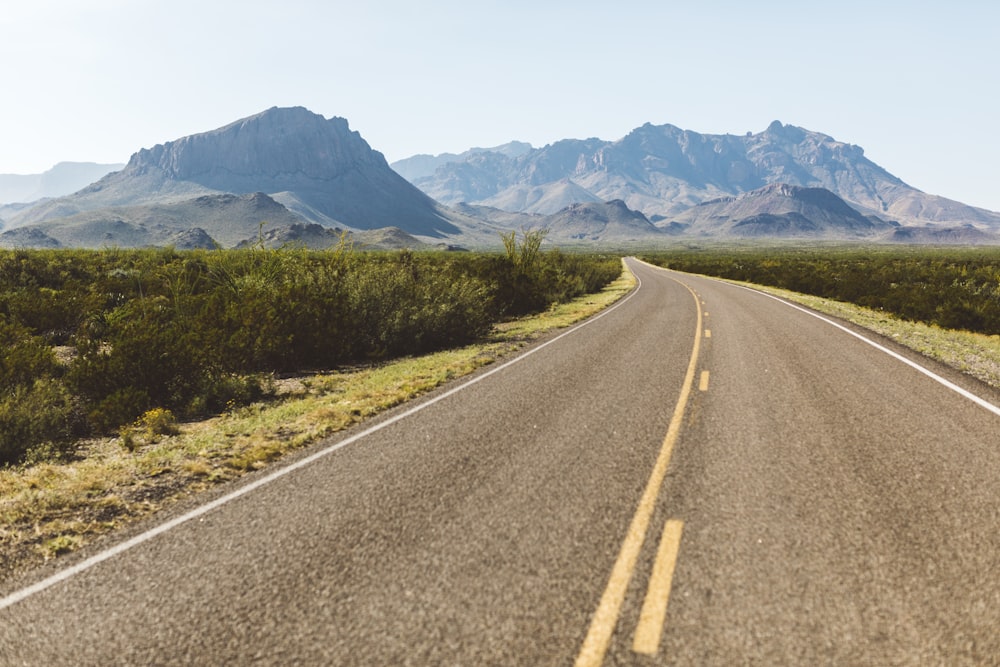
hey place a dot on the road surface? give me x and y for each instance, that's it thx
(702, 475)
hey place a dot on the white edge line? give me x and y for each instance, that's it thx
(70, 572)
(981, 402)
(931, 374)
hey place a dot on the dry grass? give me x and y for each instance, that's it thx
(48, 509)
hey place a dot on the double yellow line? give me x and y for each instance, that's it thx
(654, 609)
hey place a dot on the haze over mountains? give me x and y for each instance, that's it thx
(62, 179)
(302, 174)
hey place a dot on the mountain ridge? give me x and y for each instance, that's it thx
(290, 167)
(663, 170)
(423, 164)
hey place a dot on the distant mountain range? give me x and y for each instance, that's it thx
(663, 171)
(774, 211)
(422, 165)
(62, 179)
(309, 180)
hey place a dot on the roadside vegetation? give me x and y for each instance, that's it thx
(941, 302)
(133, 378)
(90, 341)
(943, 287)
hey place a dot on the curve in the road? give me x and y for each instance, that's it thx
(602, 626)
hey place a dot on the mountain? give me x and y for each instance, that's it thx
(546, 198)
(423, 165)
(664, 170)
(291, 170)
(929, 235)
(318, 237)
(27, 237)
(610, 221)
(781, 211)
(317, 169)
(601, 222)
(62, 179)
(227, 221)
(8, 211)
(226, 218)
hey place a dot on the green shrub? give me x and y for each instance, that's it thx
(529, 280)
(196, 332)
(120, 407)
(23, 357)
(44, 412)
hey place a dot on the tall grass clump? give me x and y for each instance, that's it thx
(529, 280)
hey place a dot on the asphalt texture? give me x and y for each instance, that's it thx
(838, 507)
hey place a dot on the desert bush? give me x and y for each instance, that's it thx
(196, 332)
(528, 279)
(148, 428)
(401, 304)
(45, 311)
(43, 412)
(157, 422)
(23, 357)
(107, 412)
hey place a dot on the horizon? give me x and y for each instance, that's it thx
(899, 80)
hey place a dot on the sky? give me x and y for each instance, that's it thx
(914, 83)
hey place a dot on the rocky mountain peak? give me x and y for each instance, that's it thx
(789, 134)
(781, 210)
(819, 197)
(612, 220)
(306, 166)
(264, 152)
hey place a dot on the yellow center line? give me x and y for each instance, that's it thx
(654, 609)
(708, 333)
(602, 625)
(703, 383)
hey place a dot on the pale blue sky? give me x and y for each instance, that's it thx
(915, 83)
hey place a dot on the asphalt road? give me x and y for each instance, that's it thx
(820, 502)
